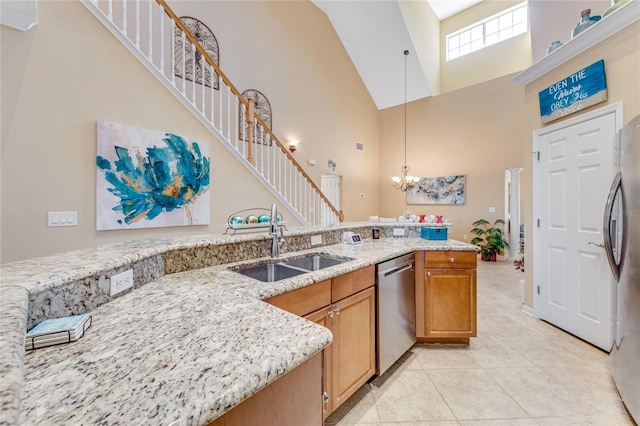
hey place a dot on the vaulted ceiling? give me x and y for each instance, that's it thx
(375, 34)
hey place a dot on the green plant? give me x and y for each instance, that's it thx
(490, 238)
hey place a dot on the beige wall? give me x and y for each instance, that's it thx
(477, 131)
(621, 54)
(61, 77)
(289, 51)
(555, 20)
(509, 56)
(424, 29)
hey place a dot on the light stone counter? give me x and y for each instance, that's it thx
(213, 344)
(180, 349)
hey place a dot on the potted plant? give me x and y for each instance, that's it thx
(490, 238)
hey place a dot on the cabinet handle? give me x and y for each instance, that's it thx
(453, 260)
(428, 273)
(337, 311)
(325, 397)
(331, 313)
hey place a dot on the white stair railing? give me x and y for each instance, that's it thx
(151, 31)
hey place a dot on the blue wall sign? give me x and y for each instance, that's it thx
(578, 91)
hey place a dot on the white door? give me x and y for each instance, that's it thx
(571, 184)
(330, 186)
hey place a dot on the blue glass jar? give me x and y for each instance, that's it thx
(585, 22)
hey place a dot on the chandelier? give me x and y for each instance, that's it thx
(402, 182)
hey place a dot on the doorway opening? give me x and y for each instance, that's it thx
(513, 211)
(331, 186)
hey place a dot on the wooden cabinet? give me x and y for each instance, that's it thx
(290, 400)
(446, 297)
(350, 360)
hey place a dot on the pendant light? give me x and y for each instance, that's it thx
(401, 183)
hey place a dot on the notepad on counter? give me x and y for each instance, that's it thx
(56, 331)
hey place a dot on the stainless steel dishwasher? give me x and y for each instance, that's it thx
(396, 310)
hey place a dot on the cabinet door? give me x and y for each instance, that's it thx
(354, 344)
(321, 317)
(450, 303)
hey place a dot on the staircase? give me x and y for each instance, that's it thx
(150, 30)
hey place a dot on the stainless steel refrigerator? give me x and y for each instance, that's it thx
(622, 245)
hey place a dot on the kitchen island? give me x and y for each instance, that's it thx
(185, 347)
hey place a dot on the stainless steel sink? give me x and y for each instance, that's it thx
(271, 272)
(314, 262)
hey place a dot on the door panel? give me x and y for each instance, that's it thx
(354, 343)
(575, 168)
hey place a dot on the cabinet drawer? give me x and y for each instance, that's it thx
(304, 300)
(351, 283)
(451, 259)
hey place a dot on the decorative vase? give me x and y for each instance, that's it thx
(615, 4)
(585, 22)
(553, 46)
(237, 220)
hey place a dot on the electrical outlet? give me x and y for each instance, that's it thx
(492, 209)
(120, 282)
(316, 240)
(398, 232)
(464, 236)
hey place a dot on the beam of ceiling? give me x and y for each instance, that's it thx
(375, 35)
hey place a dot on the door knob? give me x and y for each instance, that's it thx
(596, 244)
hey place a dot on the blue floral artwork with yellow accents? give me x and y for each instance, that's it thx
(148, 179)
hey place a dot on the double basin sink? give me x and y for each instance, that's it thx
(272, 272)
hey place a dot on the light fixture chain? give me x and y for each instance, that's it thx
(406, 53)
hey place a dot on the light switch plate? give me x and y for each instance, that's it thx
(62, 219)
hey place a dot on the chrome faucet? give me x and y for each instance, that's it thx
(276, 243)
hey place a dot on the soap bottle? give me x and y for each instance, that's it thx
(585, 22)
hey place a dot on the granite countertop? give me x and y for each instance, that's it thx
(181, 349)
(184, 348)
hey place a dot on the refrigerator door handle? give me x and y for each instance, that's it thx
(616, 186)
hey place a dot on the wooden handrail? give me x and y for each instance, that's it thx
(249, 106)
(201, 50)
(338, 213)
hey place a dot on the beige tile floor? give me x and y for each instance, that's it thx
(518, 371)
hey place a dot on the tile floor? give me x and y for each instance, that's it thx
(518, 371)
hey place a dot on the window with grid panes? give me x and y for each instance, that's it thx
(492, 30)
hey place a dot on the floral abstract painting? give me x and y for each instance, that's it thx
(437, 190)
(150, 179)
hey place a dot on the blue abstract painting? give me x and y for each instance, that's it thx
(438, 190)
(149, 179)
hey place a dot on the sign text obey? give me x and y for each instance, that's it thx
(578, 91)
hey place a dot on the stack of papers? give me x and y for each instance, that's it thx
(56, 331)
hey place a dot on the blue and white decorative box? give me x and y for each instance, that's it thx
(434, 233)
